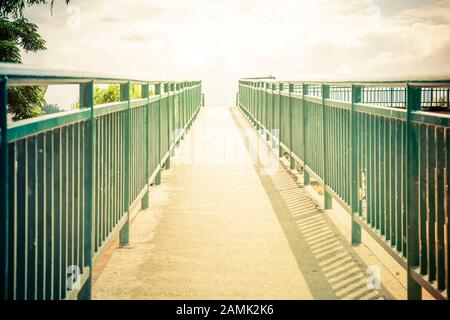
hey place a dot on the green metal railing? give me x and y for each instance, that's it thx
(381, 149)
(70, 181)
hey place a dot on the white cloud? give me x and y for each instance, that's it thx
(220, 41)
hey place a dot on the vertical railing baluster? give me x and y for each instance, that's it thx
(183, 109)
(280, 120)
(174, 130)
(125, 231)
(256, 105)
(354, 165)
(145, 95)
(4, 211)
(447, 205)
(274, 143)
(291, 91)
(177, 126)
(306, 175)
(167, 89)
(440, 209)
(328, 204)
(268, 106)
(158, 125)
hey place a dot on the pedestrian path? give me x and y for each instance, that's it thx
(230, 222)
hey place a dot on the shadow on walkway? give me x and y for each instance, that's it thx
(331, 267)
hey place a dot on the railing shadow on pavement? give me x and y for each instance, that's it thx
(330, 266)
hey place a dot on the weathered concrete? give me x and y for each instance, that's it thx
(220, 227)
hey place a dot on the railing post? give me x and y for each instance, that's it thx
(274, 143)
(248, 105)
(266, 91)
(125, 231)
(280, 119)
(306, 175)
(257, 105)
(167, 89)
(177, 124)
(413, 96)
(158, 124)
(145, 94)
(354, 166)
(190, 105)
(174, 88)
(87, 101)
(183, 109)
(260, 90)
(252, 107)
(328, 197)
(291, 90)
(189, 114)
(180, 110)
(4, 192)
(252, 104)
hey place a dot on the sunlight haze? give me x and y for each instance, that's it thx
(220, 41)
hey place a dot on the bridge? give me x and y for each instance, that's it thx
(305, 190)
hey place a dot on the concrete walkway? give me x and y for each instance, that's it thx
(224, 226)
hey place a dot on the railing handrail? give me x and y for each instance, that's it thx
(381, 154)
(87, 171)
(260, 78)
(431, 80)
(23, 75)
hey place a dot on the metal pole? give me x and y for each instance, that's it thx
(87, 101)
(168, 89)
(306, 175)
(280, 123)
(158, 124)
(4, 211)
(274, 144)
(412, 194)
(356, 228)
(328, 199)
(125, 231)
(145, 95)
(291, 90)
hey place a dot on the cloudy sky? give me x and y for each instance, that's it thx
(220, 41)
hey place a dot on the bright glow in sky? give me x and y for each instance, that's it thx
(220, 41)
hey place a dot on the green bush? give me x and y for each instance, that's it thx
(112, 93)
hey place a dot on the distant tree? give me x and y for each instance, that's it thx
(106, 95)
(112, 93)
(17, 33)
(136, 92)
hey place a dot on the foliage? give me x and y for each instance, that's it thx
(106, 95)
(135, 92)
(17, 33)
(25, 102)
(112, 93)
(15, 8)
